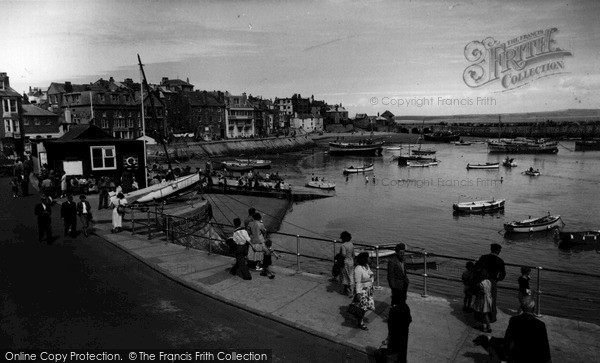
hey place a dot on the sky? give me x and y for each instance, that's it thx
(399, 55)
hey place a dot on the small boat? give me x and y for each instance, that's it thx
(441, 136)
(321, 185)
(509, 163)
(569, 239)
(394, 148)
(237, 166)
(368, 147)
(418, 164)
(529, 225)
(483, 166)
(480, 206)
(164, 190)
(256, 163)
(462, 143)
(360, 169)
(532, 172)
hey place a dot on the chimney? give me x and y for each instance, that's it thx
(111, 80)
(164, 80)
(68, 87)
(4, 78)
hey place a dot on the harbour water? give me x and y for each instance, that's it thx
(414, 205)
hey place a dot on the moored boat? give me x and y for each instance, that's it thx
(256, 163)
(321, 185)
(484, 166)
(237, 166)
(424, 152)
(360, 169)
(421, 164)
(462, 143)
(392, 148)
(587, 145)
(521, 145)
(441, 136)
(164, 190)
(480, 206)
(568, 239)
(529, 225)
(403, 160)
(368, 147)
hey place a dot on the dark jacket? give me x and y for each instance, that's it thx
(68, 209)
(42, 215)
(396, 275)
(80, 207)
(494, 266)
(527, 339)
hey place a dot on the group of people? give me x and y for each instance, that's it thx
(251, 247)
(357, 279)
(526, 338)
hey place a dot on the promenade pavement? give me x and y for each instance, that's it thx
(440, 331)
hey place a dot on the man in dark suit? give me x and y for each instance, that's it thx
(42, 211)
(68, 212)
(526, 337)
(398, 321)
(496, 270)
(84, 211)
(396, 275)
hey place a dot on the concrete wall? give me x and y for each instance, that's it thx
(195, 149)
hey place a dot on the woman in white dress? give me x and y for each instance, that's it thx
(118, 204)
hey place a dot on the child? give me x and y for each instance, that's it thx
(267, 260)
(524, 289)
(14, 183)
(483, 301)
(467, 279)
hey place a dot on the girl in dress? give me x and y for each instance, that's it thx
(483, 301)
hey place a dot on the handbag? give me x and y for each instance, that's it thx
(121, 209)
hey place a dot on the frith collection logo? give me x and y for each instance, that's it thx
(516, 62)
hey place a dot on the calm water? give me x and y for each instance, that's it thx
(414, 205)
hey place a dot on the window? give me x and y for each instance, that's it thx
(36, 121)
(129, 123)
(103, 157)
(48, 121)
(76, 97)
(101, 97)
(127, 98)
(26, 122)
(2, 85)
(7, 126)
(104, 123)
(114, 98)
(10, 106)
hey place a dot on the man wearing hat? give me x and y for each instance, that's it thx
(494, 266)
(397, 278)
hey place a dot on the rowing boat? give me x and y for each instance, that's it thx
(360, 169)
(484, 166)
(530, 225)
(479, 206)
(164, 190)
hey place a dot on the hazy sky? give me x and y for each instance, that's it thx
(349, 52)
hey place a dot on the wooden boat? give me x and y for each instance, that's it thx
(237, 166)
(462, 143)
(587, 145)
(509, 163)
(164, 189)
(484, 166)
(544, 223)
(256, 163)
(403, 160)
(521, 145)
(569, 239)
(480, 206)
(321, 185)
(532, 172)
(421, 164)
(368, 147)
(394, 148)
(360, 169)
(424, 152)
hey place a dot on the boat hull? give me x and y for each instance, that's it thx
(162, 191)
(321, 185)
(363, 169)
(579, 238)
(355, 149)
(479, 206)
(535, 225)
(587, 145)
(483, 166)
(525, 146)
(443, 137)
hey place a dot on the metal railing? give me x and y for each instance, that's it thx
(169, 225)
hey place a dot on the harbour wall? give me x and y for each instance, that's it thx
(569, 130)
(200, 149)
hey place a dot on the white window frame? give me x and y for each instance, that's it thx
(104, 157)
(8, 104)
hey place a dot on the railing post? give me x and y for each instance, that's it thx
(334, 253)
(166, 219)
(132, 220)
(539, 292)
(297, 253)
(424, 275)
(377, 287)
(148, 224)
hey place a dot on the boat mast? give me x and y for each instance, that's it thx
(161, 137)
(143, 125)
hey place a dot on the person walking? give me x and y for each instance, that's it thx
(68, 212)
(118, 204)
(396, 275)
(249, 218)
(524, 289)
(14, 184)
(347, 275)
(24, 184)
(63, 185)
(241, 239)
(363, 290)
(526, 336)
(84, 211)
(496, 271)
(43, 212)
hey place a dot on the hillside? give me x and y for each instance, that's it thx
(570, 115)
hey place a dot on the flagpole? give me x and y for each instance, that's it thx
(92, 107)
(143, 125)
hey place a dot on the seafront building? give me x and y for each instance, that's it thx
(11, 114)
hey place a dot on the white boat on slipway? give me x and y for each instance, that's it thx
(164, 190)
